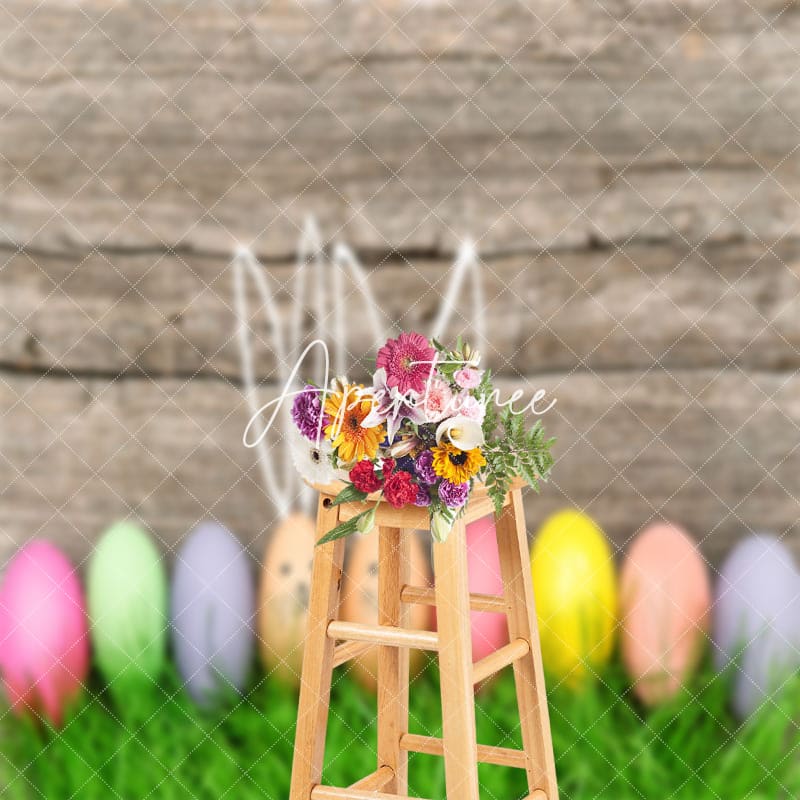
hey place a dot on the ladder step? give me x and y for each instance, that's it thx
(343, 653)
(494, 662)
(477, 602)
(332, 793)
(487, 754)
(375, 781)
(382, 635)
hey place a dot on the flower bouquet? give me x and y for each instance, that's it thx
(428, 428)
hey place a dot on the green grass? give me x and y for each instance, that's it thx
(158, 745)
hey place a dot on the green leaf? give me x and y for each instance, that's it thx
(348, 495)
(344, 529)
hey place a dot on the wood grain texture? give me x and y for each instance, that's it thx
(477, 601)
(529, 677)
(402, 125)
(394, 571)
(460, 750)
(318, 655)
(382, 635)
(173, 314)
(716, 452)
(498, 659)
(629, 173)
(487, 754)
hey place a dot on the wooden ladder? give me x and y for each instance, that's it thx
(331, 642)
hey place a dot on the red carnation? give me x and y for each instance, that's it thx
(399, 490)
(388, 466)
(364, 478)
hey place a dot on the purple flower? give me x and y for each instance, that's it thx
(453, 495)
(423, 466)
(307, 413)
(423, 498)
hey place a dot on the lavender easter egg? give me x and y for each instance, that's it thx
(127, 596)
(284, 590)
(489, 630)
(213, 613)
(574, 581)
(44, 642)
(665, 601)
(757, 619)
(359, 598)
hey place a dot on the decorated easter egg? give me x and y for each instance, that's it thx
(665, 600)
(489, 630)
(359, 598)
(756, 628)
(44, 642)
(213, 613)
(576, 595)
(127, 593)
(284, 591)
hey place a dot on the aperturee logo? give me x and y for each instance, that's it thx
(431, 424)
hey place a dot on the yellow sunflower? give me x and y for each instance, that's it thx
(457, 466)
(346, 410)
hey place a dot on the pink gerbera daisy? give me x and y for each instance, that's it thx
(408, 361)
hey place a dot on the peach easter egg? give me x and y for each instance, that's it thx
(574, 582)
(665, 602)
(284, 590)
(359, 599)
(44, 649)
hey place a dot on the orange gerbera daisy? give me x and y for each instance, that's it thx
(346, 411)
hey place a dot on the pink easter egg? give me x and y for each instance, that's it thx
(489, 630)
(44, 641)
(665, 602)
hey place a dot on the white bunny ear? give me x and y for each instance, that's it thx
(329, 326)
(345, 258)
(466, 264)
(245, 265)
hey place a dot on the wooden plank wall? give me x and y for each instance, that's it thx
(629, 172)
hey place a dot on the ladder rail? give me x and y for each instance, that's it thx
(332, 642)
(422, 595)
(375, 781)
(487, 754)
(502, 657)
(347, 651)
(382, 635)
(332, 793)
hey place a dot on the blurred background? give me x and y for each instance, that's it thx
(627, 171)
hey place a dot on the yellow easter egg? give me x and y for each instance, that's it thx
(575, 586)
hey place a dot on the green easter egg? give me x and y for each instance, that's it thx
(127, 598)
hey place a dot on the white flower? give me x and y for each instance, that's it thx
(463, 432)
(312, 462)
